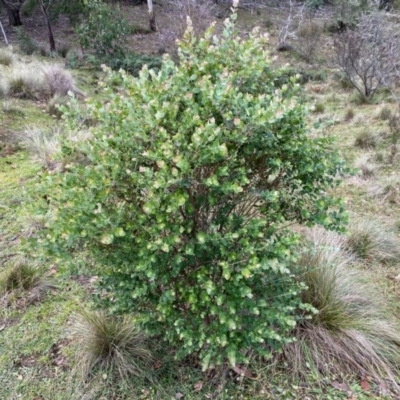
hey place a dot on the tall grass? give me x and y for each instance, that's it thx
(36, 81)
(59, 81)
(6, 57)
(351, 331)
(23, 278)
(44, 145)
(372, 240)
(24, 81)
(111, 345)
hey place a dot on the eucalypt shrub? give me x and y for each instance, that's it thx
(191, 178)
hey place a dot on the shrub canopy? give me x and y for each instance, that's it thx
(194, 174)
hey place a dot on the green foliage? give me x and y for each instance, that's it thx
(76, 10)
(194, 172)
(133, 63)
(348, 12)
(104, 29)
(26, 44)
(314, 4)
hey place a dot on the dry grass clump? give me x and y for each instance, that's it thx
(351, 331)
(6, 57)
(43, 145)
(3, 89)
(384, 113)
(111, 344)
(23, 277)
(387, 189)
(25, 82)
(349, 114)
(59, 81)
(319, 108)
(371, 239)
(37, 82)
(366, 167)
(366, 139)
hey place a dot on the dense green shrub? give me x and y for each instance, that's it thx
(26, 44)
(104, 29)
(133, 62)
(194, 174)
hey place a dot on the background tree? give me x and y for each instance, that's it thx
(152, 16)
(369, 54)
(13, 7)
(45, 6)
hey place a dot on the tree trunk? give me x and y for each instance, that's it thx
(13, 17)
(152, 17)
(50, 31)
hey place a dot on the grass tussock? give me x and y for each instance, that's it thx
(22, 277)
(349, 115)
(350, 331)
(59, 81)
(25, 82)
(366, 167)
(44, 145)
(110, 344)
(319, 108)
(386, 190)
(6, 58)
(372, 240)
(384, 113)
(37, 82)
(366, 139)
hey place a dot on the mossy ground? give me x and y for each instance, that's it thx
(36, 344)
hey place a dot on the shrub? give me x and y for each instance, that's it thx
(110, 344)
(366, 139)
(103, 29)
(351, 331)
(372, 240)
(26, 44)
(368, 54)
(133, 63)
(193, 172)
